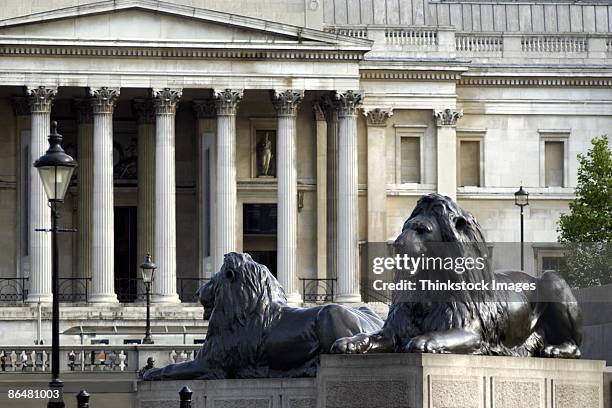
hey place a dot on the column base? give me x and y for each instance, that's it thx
(294, 298)
(39, 297)
(170, 298)
(103, 298)
(348, 298)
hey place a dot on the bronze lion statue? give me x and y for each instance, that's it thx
(253, 333)
(544, 321)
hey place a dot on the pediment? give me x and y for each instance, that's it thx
(148, 20)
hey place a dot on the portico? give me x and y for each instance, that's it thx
(219, 85)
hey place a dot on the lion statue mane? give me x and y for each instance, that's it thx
(253, 333)
(544, 321)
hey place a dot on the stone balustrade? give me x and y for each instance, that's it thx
(94, 358)
(489, 47)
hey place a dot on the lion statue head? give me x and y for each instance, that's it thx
(240, 301)
(439, 230)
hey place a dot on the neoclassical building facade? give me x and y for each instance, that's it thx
(295, 130)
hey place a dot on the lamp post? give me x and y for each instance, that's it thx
(148, 274)
(55, 168)
(521, 199)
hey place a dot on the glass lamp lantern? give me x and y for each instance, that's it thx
(55, 167)
(148, 270)
(521, 197)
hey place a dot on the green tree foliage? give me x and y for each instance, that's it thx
(586, 231)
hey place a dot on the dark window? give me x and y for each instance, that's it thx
(259, 219)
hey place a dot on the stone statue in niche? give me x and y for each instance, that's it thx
(265, 153)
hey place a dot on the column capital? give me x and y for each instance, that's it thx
(205, 108)
(227, 100)
(144, 111)
(20, 106)
(286, 102)
(104, 99)
(349, 102)
(166, 100)
(378, 117)
(41, 98)
(330, 107)
(318, 111)
(83, 110)
(447, 117)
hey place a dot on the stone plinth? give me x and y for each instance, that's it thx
(403, 380)
(455, 381)
(265, 393)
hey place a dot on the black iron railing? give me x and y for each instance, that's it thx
(74, 289)
(368, 294)
(130, 290)
(13, 289)
(187, 288)
(318, 290)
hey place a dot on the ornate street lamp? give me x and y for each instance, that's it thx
(55, 168)
(521, 199)
(148, 274)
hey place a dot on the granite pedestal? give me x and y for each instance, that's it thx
(403, 380)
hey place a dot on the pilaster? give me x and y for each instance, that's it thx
(144, 112)
(377, 179)
(446, 122)
(84, 118)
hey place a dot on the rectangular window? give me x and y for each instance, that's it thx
(469, 163)
(553, 163)
(553, 263)
(410, 160)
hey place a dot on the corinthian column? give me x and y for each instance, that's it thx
(206, 113)
(145, 115)
(286, 104)
(40, 100)
(348, 221)
(84, 118)
(226, 101)
(164, 286)
(446, 121)
(103, 102)
(330, 108)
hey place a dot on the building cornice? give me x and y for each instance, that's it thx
(534, 81)
(410, 75)
(194, 51)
